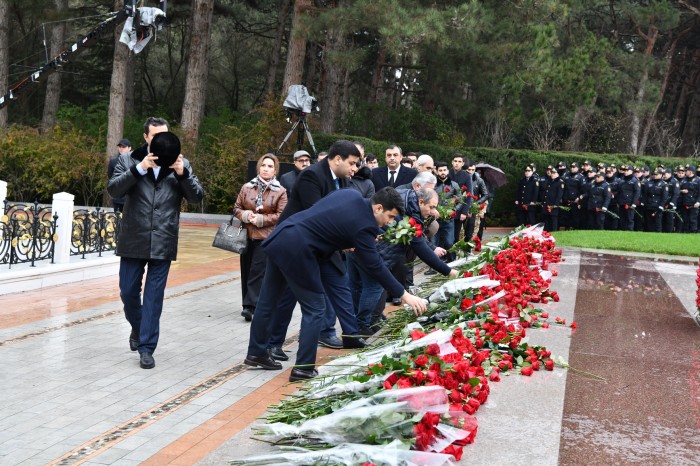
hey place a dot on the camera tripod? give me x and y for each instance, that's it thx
(301, 127)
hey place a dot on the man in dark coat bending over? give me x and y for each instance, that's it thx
(341, 220)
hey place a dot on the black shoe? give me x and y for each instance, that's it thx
(354, 342)
(134, 340)
(302, 374)
(247, 314)
(332, 342)
(366, 332)
(396, 301)
(266, 362)
(147, 361)
(278, 354)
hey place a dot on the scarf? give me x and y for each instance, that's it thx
(263, 186)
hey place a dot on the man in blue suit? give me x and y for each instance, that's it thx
(314, 183)
(295, 250)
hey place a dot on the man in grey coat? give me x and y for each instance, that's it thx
(148, 234)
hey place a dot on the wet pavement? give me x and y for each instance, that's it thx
(73, 393)
(635, 333)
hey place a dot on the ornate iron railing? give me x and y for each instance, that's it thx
(27, 233)
(94, 231)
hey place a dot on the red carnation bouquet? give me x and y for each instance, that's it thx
(403, 231)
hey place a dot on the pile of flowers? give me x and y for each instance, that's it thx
(417, 390)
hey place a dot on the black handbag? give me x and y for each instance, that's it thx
(231, 238)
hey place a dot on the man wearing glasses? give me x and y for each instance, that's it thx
(302, 159)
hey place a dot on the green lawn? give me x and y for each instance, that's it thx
(658, 243)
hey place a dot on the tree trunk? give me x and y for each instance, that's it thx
(635, 126)
(378, 76)
(578, 126)
(117, 97)
(637, 106)
(4, 55)
(53, 83)
(332, 85)
(197, 67)
(294, 69)
(669, 54)
(277, 47)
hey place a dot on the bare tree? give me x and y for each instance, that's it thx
(197, 67)
(497, 133)
(666, 138)
(294, 69)
(53, 83)
(541, 132)
(4, 55)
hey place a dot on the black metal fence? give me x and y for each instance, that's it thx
(27, 233)
(94, 231)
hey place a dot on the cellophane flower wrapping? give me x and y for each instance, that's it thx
(379, 419)
(352, 454)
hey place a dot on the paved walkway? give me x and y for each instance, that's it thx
(71, 392)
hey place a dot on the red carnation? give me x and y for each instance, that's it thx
(549, 364)
(464, 187)
(447, 189)
(526, 371)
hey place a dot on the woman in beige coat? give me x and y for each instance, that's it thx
(258, 207)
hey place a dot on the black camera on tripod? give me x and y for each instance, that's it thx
(299, 103)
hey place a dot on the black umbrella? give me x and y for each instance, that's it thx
(493, 175)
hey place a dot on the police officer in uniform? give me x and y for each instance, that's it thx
(638, 217)
(526, 197)
(629, 192)
(598, 200)
(689, 202)
(588, 183)
(552, 201)
(573, 180)
(612, 221)
(674, 192)
(679, 176)
(655, 198)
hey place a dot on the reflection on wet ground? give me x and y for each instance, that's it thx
(634, 332)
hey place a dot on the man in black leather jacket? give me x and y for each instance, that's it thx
(148, 233)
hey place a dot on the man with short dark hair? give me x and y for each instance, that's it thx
(393, 174)
(148, 233)
(123, 147)
(341, 220)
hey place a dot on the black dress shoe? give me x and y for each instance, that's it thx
(278, 354)
(266, 362)
(134, 341)
(247, 314)
(302, 374)
(147, 361)
(354, 342)
(366, 331)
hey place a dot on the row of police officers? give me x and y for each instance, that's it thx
(610, 198)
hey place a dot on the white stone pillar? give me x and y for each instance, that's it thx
(63, 207)
(3, 193)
